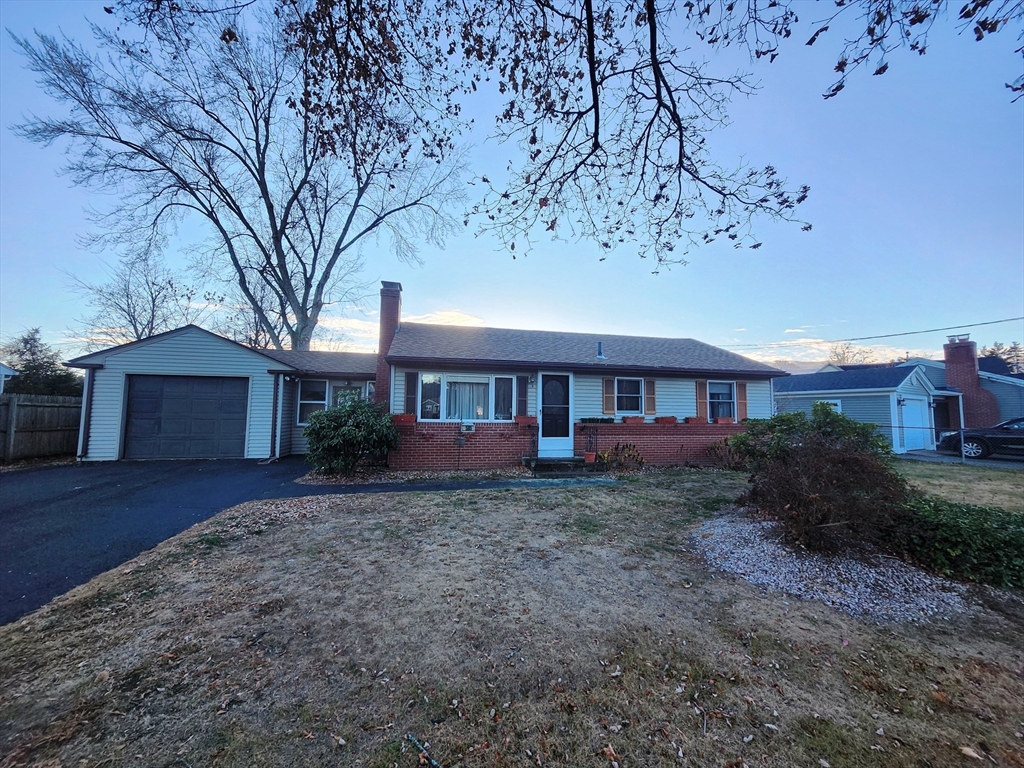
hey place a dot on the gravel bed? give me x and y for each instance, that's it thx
(887, 590)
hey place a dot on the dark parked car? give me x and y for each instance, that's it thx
(1006, 437)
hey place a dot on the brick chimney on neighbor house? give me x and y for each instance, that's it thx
(390, 317)
(980, 406)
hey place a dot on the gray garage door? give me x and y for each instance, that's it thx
(185, 417)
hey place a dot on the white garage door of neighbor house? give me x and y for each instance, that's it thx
(915, 425)
(185, 417)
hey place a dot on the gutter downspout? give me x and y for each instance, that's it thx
(273, 419)
(90, 385)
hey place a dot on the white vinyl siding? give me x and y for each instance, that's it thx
(677, 397)
(287, 421)
(759, 400)
(190, 353)
(586, 394)
(674, 397)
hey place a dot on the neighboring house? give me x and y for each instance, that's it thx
(6, 373)
(901, 400)
(990, 393)
(461, 397)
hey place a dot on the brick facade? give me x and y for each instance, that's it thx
(981, 409)
(659, 444)
(434, 446)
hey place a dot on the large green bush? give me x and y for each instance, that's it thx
(831, 483)
(340, 437)
(827, 479)
(965, 540)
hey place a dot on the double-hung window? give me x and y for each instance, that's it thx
(721, 399)
(312, 397)
(629, 395)
(465, 397)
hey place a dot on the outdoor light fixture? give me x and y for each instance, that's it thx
(901, 401)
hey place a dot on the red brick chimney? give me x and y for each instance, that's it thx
(390, 317)
(980, 406)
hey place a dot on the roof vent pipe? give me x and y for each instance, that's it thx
(600, 351)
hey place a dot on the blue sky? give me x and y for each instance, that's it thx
(917, 202)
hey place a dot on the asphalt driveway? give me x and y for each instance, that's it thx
(60, 526)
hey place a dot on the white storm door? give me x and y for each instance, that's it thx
(555, 415)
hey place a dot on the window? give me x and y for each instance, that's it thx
(461, 397)
(467, 400)
(312, 397)
(341, 393)
(430, 396)
(721, 400)
(502, 398)
(629, 395)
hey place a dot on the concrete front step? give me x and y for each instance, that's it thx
(567, 466)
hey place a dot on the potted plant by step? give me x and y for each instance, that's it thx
(589, 457)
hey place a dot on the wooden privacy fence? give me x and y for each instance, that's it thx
(38, 425)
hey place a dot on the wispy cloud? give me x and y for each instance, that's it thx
(795, 330)
(350, 334)
(446, 317)
(739, 329)
(818, 349)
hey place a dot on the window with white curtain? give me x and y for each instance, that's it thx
(467, 400)
(466, 397)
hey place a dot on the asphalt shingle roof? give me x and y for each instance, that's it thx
(345, 363)
(865, 378)
(452, 345)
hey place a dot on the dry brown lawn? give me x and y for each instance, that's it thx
(964, 483)
(568, 626)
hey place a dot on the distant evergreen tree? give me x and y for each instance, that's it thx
(39, 368)
(1013, 354)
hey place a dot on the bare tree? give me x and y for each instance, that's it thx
(206, 127)
(141, 297)
(613, 112)
(847, 354)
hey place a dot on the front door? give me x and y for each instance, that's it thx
(555, 437)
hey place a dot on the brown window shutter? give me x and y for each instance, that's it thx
(650, 400)
(522, 395)
(412, 381)
(741, 401)
(608, 402)
(702, 400)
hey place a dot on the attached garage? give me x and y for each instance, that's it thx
(184, 394)
(185, 417)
